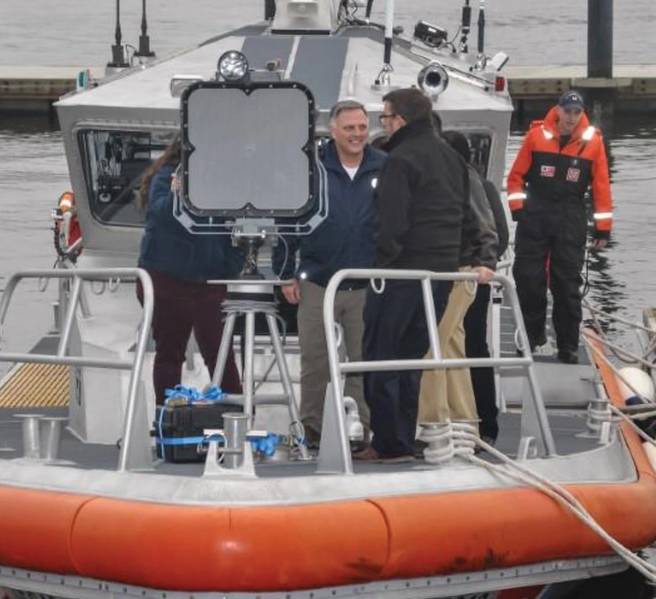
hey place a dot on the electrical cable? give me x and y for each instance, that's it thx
(284, 262)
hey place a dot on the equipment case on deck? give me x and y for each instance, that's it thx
(180, 427)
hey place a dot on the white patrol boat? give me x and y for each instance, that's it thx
(558, 508)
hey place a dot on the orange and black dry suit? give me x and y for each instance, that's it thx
(546, 189)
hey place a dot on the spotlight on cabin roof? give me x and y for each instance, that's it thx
(232, 66)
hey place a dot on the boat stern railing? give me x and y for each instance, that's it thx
(335, 455)
(133, 454)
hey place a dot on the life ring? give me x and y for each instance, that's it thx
(68, 234)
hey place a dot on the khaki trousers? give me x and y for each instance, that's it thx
(448, 394)
(315, 374)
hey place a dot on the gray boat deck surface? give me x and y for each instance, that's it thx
(565, 427)
(566, 391)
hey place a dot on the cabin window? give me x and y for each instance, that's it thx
(480, 145)
(114, 164)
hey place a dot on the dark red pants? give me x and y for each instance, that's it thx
(181, 307)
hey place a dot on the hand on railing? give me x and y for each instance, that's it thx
(485, 274)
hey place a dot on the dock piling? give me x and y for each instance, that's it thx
(601, 93)
(600, 39)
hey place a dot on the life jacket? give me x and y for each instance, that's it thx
(544, 172)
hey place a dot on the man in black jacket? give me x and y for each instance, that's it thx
(423, 212)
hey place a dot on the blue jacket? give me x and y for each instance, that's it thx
(346, 238)
(169, 248)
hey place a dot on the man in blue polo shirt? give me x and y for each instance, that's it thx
(344, 240)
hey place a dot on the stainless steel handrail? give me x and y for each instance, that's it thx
(337, 368)
(78, 275)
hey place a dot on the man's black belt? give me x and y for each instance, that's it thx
(352, 285)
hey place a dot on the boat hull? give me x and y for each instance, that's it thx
(267, 548)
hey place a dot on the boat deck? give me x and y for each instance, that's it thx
(44, 390)
(566, 427)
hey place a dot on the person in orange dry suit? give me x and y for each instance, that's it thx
(561, 158)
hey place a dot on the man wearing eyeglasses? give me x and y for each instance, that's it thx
(423, 217)
(561, 158)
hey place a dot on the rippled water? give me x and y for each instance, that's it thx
(33, 170)
(79, 32)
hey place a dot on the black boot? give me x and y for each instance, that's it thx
(568, 356)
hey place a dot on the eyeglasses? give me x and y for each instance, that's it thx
(382, 117)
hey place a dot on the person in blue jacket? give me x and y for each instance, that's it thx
(345, 239)
(180, 264)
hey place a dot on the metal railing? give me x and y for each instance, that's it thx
(76, 277)
(339, 460)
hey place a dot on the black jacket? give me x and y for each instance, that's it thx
(345, 239)
(422, 198)
(169, 248)
(500, 220)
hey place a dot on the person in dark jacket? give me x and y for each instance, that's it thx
(180, 264)
(475, 323)
(345, 239)
(448, 394)
(423, 203)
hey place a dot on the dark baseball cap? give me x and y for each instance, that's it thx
(571, 99)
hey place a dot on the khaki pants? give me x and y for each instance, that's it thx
(315, 373)
(448, 394)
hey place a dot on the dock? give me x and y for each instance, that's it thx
(535, 88)
(25, 89)
(33, 89)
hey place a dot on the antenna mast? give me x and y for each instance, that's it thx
(481, 28)
(465, 27)
(144, 40)
(118, 53)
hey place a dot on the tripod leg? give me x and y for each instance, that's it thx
(224, 348)
(294, 412)
(249, 349)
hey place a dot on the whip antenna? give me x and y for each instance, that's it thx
(481, 28)
(118, 53)
(144, 40)
(465, 26)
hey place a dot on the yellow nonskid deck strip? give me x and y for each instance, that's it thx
(36, 386)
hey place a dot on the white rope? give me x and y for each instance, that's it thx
(445, 440)
(589, 341)
(620, 353)
(629, 420)
(561, 495)
(377, 289)
(639, 415)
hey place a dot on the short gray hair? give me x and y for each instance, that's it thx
(343, 105)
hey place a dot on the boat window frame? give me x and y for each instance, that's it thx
(468, 131)
(81, 134)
